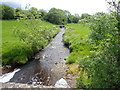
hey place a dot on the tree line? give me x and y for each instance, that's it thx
(54, 15)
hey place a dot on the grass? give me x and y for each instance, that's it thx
(75, 37)
(36, 35)
(8, 27)
(7, 33)
(83, 30)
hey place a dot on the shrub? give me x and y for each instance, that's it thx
(7, 12)
(101, 67)
(15, 53)
(37, 37)
(26, 40)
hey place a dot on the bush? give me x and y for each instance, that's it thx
(15, 53)
(97, 54)
(26, 40)
(102, 67)
(7, 12)
(37, 37)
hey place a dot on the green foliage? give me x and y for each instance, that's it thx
(75, 39)
(34, 13)
(20, 41)
(43, 14)
(85, 16)
(72, 58)
(1, 11)
(97, 52)
(102, 66)
(18, 13)
(56, 16)
(6, 12)
(7, 30)
(15, 53)
(103, 31)
(61, 17)
(38, 36)
(73, 18)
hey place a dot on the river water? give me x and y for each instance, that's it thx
(48, 68)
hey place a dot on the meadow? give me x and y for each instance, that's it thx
(75, 38)
(8, 27)
(19, 41)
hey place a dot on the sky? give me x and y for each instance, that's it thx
(74, 6)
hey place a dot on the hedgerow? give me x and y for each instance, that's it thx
(102, 67)
(97, 55)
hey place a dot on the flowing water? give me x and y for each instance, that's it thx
(49, 66)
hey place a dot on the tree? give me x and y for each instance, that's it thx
(43, 14)
(35, 12)
(32, 13)
(7, 12)
(68, 16)
(115, 6)
(56, 16)
(85, 16)
(76, 18)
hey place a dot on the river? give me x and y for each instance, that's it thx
(48, 68)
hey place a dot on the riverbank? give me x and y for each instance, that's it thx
(48, 67)
(20, 41)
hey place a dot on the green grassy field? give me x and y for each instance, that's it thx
(36, 35)
(75, 37)
(83, 30)
(8, 27)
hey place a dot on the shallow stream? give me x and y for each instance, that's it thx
(48, 67)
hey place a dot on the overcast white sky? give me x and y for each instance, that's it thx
(74, 6)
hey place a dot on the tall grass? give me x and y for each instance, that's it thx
(20, 41)
(75, 37)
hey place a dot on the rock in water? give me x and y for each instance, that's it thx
(61, 84)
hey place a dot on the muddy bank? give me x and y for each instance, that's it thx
(48, 67)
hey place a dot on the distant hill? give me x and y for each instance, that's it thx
(13, 4)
